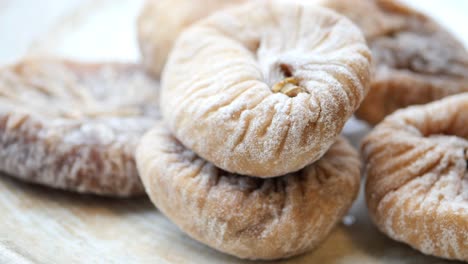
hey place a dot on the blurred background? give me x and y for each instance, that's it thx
(105, 29)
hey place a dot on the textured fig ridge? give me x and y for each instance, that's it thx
(417, 185)
(246, 216)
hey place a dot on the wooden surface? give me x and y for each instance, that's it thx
(40, 225)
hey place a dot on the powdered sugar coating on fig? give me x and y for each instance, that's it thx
(244, 216)
(417, 169)
(75, 126)
(265, 88)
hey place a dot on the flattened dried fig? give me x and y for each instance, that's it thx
(161, 22)
(75, 126)
(415, 60)
(265, 88)
(417, 185)
(245, 216)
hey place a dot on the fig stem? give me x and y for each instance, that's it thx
(288, 86)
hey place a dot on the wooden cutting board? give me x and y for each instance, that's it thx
(41, 225)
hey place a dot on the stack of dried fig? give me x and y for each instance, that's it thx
(249, 159)
(248, 156)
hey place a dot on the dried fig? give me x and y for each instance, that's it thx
(244, 216)
(161, 22)
(417, 169)
(415, 60)
(264, 88)
(75, 126)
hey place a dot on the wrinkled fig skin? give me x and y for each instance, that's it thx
(265, 94)
(161, 22)
(417, 179)
(245, 216)
(415, 60)
(75, 126)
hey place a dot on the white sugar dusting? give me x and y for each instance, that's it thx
(429, 209)
(220, 104)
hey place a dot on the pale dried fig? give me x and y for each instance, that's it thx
(264, 88)
(417, 178)
(415, 60)
(248, 217)
(161, 22)
(75, 126)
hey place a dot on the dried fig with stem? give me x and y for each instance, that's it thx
(75, 126)
(417, 176)
(264, 88)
